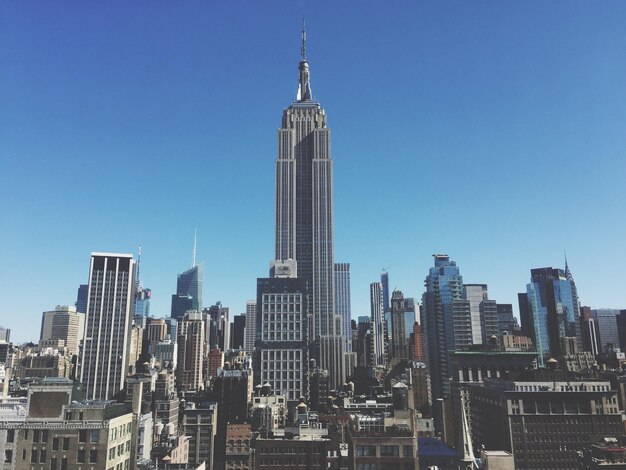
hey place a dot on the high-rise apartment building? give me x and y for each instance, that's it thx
(188, 291)
(550, 310)
(377, 324)
(250, 333)
(342, 301)
(444, 285)
(65, 323)
(107, 345)
(304, 206)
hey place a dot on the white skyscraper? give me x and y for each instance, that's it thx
(378, 323)
(108, 322)
(250, 332)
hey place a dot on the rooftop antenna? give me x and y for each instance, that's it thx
(193, 258)
(138, 282)
(303, 47)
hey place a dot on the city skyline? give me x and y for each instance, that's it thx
(499, 248)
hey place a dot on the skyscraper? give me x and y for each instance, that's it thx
(379, 358)
(108, 323)
(81, 298)
(191, 352)
(304, 208)
(550, 311)
(188, 286)
(444, 284)
(250, 332)
(63, 323)
(342, 301)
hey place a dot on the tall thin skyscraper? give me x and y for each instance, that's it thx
(250, 333)
(108, 323)
(379, 358)
(304, 209)
(342, 301)
(81, 298)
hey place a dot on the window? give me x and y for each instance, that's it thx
(33, 456)
(42, 456)
(366, 466)
(55, 444)
(407, 451)
(93, 456)
(82, 435)
(64, 463)
(389, 451)
(44, 436)
(66, 445)
(53, 463)
(8, 455)
(365, 451)
(95, 435)
(35, 435)
(80, 456)
(10, 435)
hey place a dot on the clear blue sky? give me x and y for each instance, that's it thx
(494, 131)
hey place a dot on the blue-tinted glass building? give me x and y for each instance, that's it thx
(552, 310)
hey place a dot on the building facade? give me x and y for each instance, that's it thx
(108, 323)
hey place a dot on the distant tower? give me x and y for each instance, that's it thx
(106, 351)
(377, 324)
(549, 311)
(191, 352)
(189, 288)
(64, 323)
(342, 301)
(250, 333)
(304, 212)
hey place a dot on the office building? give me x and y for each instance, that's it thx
(81, 298)
(550, 311)
(544, 420)
(304, 206)
(342, 301)
(218, 326)
(64, 323)
(107, 342)
(238, 332)
(402, 321)
(199, 424)
(507, 323)
(282, 348)
(188, 291)
(191, 352)
(606, 318)
(142, 302)
(64, 431)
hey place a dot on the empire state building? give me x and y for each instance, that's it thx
(304, 216)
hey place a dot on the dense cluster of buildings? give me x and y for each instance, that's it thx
(448, 381)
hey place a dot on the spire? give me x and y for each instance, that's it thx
(568, 273)
(303, 47)
(193, 257)
(304, 84)
(138, 281)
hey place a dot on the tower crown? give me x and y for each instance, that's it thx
(304, 76)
